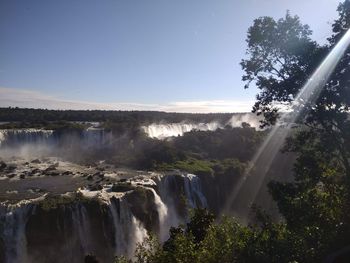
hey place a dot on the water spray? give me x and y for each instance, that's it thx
(247, 188)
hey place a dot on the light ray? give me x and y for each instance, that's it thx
(246, 189)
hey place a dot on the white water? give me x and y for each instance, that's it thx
(237, 120)
(20, 136)
(128, 231)
(14, 220)
(162, 131)
(165, 130)
(165, 184)
(82, 226)
(93, 137)
(24, 138)
(194, 197)
(193, 191)
(162, 210)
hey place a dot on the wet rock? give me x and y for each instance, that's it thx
(36, 161)
(2, 165)
(99, 174)
(54, 173)
(50, 168)
(90, 177)
(66, 173)
(36, 170)
(96, 187)
(11, 167)
(22, 176)
(91, 259)
(141, 202)
(35, 190)
(122, 187)
(10, 175)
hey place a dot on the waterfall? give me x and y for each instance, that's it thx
(105, 227)
(18, 137)
(82, 226)
(96, 137)
(193, 191)
(21, 138)
(162, 210)
(165, 185)
(162, 131)
(172, 188)
(13, 224)
(128, 231)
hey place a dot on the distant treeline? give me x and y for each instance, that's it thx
(141, 117)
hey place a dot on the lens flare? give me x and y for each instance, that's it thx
(247, 188)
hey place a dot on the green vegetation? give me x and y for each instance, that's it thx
(315, 206)
(55, 201)
(121, 117)
(200, 167)
(206, 167)
(198, 152)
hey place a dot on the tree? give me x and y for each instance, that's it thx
(281, 56)
(316, 204)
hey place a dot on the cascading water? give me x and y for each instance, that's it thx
(193, 191)
(165, 130)
(162, 131)
(13, 222)
(162, 209)
(103, 223)
(128, 231)
(81, 225)
(166, 186)
(17, 137)
(90, 137)
(178, 193)
(96, 137)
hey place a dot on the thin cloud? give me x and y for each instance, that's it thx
(10, 97)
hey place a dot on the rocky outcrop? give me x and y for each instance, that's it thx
(105, 223)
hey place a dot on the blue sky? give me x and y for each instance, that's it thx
(179, 55)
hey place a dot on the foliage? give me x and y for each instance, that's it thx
(315, 206)
(191, 165)
(109, 117)
(55, 201)
(281, 56)
(221, 144)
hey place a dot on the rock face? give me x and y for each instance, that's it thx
(105, 222)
